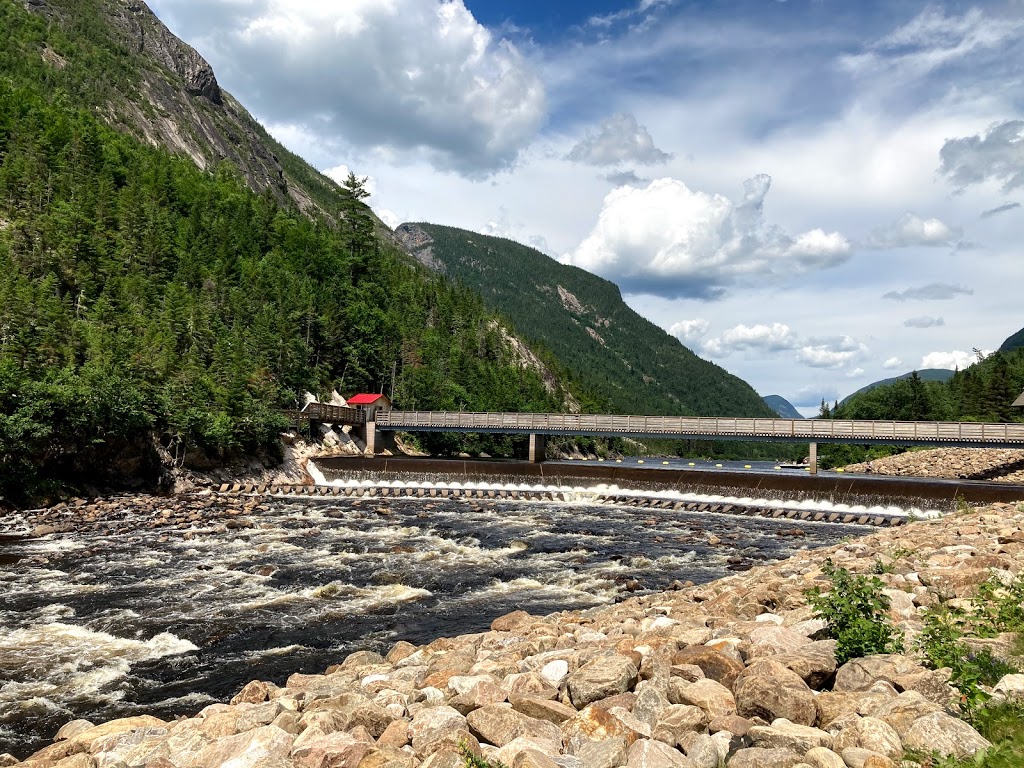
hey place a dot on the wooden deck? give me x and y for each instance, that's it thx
(711, 428)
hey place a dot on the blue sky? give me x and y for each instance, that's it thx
(814, 194)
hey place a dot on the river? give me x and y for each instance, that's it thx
(167, 621)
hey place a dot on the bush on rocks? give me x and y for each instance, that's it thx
(855, 611)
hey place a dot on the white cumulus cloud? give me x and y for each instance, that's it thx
(911, 230)
(690, 331)
(892, 364)
(421, 76)
(832, 353)
(666, 239)
(771, 339)
(951, 360)
(620, 139)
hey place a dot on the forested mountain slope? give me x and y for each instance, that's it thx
(158, 285)
(925, 374)
(1016, 341)
(984, 391)
(627, 362)
(782, 407)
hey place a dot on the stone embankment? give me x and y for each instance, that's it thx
(730, 673)
(1000, 465)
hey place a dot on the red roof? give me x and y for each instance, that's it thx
(364, 399)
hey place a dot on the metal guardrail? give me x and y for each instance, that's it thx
(809, 430)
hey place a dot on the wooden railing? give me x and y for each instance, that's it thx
(811, 430)
(331, 414)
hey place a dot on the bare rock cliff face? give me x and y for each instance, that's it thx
(420, 245)
(177, 103)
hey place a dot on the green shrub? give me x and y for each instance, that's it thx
(473, 760)
(941, 642)
(854, 610)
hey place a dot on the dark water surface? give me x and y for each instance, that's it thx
(165, 622)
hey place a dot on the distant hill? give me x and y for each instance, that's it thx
(626, 363)
(1014, 342)
(782, 406)
(928, 374)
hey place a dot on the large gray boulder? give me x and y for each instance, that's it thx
(769, 690)
(947, 735)
(600, 678)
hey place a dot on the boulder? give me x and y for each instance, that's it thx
(508, 753)
(819, 757)
(704, 752)
(855, 757)
(435, 727)
(81, 741)
(714, 698)
(602, 677)
(609, 753)
(645, 753)
(532, 758)
(756, 757)
(252, 749)
(814, 662)
(861, 674)
(1011, 686)
(595, 724)
(499, 724)
(676, 720)
(511, 622)
(650, 703)
(782, 734)
(872, 734)
(901, 713)
(769, 690)
(72, 729)
(715, 665)
(544, 709)
(327, 750)
(947, 735)
(253, 693)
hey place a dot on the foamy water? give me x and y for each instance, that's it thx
(167, 621)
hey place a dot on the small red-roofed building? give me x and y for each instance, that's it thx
(370, 404)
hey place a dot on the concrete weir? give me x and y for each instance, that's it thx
(624, 500)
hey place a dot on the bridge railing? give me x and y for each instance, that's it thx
(710, 426)
(332, 414)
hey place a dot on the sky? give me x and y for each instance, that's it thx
(813, 194)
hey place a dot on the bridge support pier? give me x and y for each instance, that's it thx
(814, 459)
(538, 446)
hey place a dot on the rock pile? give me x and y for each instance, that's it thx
(200, 514)
(1002, 465)
(731, 673)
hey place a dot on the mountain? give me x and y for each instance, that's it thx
(171, 277)
(782, 406)
(928, 374)
(628, 364)
(1014, 342)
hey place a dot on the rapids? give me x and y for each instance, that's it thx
(167, 621)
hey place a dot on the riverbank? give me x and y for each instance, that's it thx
(731, 672)
(995, 465)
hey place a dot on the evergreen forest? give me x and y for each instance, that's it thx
(144, 301)
(982, 392)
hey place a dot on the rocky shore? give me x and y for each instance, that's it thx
(999, 465)
(730, 673)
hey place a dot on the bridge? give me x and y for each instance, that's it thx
(329, 414)
(813, 431)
